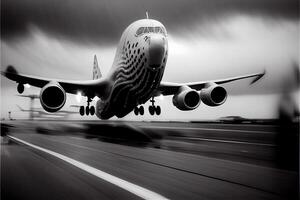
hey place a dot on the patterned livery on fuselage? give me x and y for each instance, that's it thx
(137, 69)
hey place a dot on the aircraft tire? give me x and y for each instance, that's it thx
(136, 111)
(87, 110)
(158, 110)
(141, 110)
(92, 110)
(151, 110)
(81, 110)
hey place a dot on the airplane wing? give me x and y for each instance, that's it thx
(168, 88)
(87, 87)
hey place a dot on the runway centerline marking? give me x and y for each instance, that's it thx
(130, 187)
(231, 141)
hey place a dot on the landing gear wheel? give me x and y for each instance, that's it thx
(154, 109)
(141, 110)
(87, 110)
(151, 110)
(92, 110)
(81, 110)
(136, 111)
(158, 110)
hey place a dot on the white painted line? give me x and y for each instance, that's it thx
(207, 129)
(130, 187)
(233, 142)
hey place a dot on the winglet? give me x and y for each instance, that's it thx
(259, 76)
(9, 70)
(96, 70)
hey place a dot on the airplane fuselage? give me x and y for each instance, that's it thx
(137, 69)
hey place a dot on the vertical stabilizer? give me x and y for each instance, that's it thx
(96, 70)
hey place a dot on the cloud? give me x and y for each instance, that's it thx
(101, 22)
(253, 46)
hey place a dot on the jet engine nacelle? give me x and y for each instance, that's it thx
(213, 95)
(186, 99)
(52, 97)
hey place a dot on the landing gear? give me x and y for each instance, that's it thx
(92, 110)
(154, 109)
(81, 110)
(88, 109)
(139, 110)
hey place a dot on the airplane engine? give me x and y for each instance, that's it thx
(52, 97)
(186, 99)
(214, 95)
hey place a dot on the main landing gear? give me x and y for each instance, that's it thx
(88, 109)
(139, 110)
(152, 109)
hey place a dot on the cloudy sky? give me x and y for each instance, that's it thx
(207, 40)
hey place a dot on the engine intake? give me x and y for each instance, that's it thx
(214, 95)
(186, 99)
(52, 97)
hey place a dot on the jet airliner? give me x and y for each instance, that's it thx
(134, 78)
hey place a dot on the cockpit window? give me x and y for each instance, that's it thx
(146, 30)
(140, 31)
(151, 29)
(143, 30)
(157, 29)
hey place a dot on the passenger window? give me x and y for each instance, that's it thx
(140, 31)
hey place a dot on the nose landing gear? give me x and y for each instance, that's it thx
(154, 109)
(88, 109)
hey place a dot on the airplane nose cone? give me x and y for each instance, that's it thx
(157, 48)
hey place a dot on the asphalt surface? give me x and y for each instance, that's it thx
(71, 160)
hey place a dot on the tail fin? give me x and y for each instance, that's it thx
(96, 70)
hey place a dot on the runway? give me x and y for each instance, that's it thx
(142, 160)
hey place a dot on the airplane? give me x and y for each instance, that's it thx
(134, 78)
